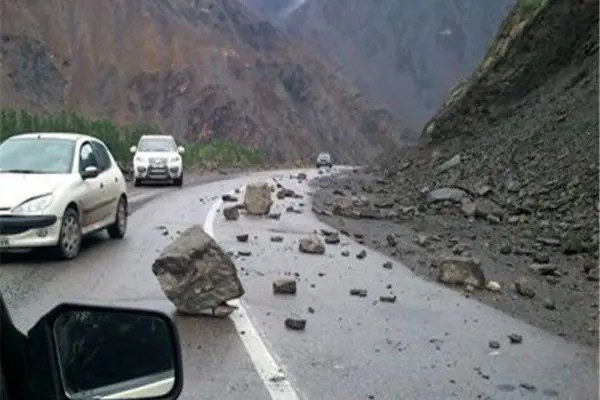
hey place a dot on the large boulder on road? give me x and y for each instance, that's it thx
(197, 275)
(257, 198)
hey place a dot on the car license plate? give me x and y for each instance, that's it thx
(4, 242)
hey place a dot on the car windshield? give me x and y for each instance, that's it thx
(324, 155)
(157, 144)
(37, 155)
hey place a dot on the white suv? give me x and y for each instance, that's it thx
(324, 160)
(157, 158)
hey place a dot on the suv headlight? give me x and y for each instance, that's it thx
(175, 159)
(35, 205)
(140, 160)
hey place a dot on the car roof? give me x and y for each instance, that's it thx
(157, 137)
(55, 135)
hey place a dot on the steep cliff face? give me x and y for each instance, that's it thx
(201, 69)
(404, 54)
(522, 132)
(534, 49)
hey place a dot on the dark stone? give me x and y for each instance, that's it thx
(296, 324)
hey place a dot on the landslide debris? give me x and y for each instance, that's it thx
(519, 141)
(507, 171)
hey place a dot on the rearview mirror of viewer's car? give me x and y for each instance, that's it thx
(81, 352)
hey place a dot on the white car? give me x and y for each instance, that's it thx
(57, 187)
(324, 160)
(157, 158)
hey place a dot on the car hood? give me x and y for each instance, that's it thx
(156, 154)
(20, 187)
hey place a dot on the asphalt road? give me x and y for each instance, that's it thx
(431, 344)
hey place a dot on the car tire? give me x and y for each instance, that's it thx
(70, 236)
(178, 181)
(137, 182)
(118, 229)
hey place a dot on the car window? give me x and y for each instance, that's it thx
(87, 158)
(157, 144)
(40, 155)
(102, 156)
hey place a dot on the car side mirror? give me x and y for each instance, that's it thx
(133, 149)
(181, 149)
(82, 352)
(89, 172)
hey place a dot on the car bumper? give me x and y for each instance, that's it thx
(26, 231)
(157, 173)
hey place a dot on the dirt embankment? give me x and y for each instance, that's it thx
(507, 173)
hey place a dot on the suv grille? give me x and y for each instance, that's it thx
(158, 162)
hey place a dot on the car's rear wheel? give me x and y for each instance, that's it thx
(178, 181)
(70, 237)
(118, 229)
(137, 182)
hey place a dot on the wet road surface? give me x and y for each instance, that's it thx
(431, 344)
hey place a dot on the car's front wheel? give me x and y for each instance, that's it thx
(118, 228)
(70, 238)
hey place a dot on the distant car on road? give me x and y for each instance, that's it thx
(157, 158)
(324, 160)
(56, 188)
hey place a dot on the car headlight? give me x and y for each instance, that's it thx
(175, 160)
(140, 159)
(35, 205)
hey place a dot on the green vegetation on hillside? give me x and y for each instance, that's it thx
(120, 138)
(528, 7)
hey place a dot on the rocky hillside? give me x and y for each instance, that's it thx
(201, 69)
(517, 144)
(405, 54)
(506, 177)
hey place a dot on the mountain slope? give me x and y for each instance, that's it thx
(404, 54)
(522, 132)
(507, 172)
(201, 69)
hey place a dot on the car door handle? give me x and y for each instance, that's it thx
(101, 185)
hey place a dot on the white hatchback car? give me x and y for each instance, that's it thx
(57, 187)
(157, 158)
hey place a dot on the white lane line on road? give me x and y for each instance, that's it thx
(265, 364)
